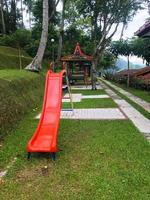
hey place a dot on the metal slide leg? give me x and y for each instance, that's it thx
(53, 156)
(29, 156)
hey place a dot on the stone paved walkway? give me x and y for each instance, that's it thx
(145, 105)
(79, 97)
(141, 122)
(92, 114)
(83, 87)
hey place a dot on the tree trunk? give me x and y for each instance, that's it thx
(22, 13)
(128, 78)
(7, 15)
(13, 16)
(97, 56)
(30, 19)
(122, 31)
(35, 65)
(149, 8)
(93, 74)
(61, 31)
(20, 60)
(2, 16)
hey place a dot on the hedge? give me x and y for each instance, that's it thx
(20, 91)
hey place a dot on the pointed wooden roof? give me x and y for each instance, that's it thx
(78, 55)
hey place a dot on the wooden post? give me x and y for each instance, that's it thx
(128, 78)
(20, 61)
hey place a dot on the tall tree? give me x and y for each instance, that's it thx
(141, 48)
(2, 17)
(35, 65)
(22, 23)
(104, 18)
(61, 34)
(29, 4)
(13, 16)
(124, 48)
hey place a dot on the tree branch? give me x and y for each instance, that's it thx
(54, 10)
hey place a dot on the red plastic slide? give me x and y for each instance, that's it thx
(45, 137)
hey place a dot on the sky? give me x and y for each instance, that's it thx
(134, 25)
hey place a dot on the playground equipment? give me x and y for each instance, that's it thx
(44, 138)
(78, 66)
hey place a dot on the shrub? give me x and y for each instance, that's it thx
(21, 38)
(137, 83)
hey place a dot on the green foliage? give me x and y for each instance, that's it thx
(73, 35)
(20, 37)
(121, 47)
(136, 46)
(12, 16)
(108, 60)
(104, 14)
(19, 92)
(31, 48)
(102, 20)
(37, 12)
(141, 48)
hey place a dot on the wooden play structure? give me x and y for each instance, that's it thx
(78, 66)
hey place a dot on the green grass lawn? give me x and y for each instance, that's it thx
(92, 103)
(145, 95)
(89, 92)
(106, 160)
(100, 160)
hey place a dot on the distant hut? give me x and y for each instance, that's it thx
(78, 66)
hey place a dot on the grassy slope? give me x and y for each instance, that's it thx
(19, 92)
(9, 58)
(145, 95)
(12, 75)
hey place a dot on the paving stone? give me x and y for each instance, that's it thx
(82, 87)
(141, 122)
(105, 96)
(145, 105)
(75, 98)
(79, 97)
(92, 114)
